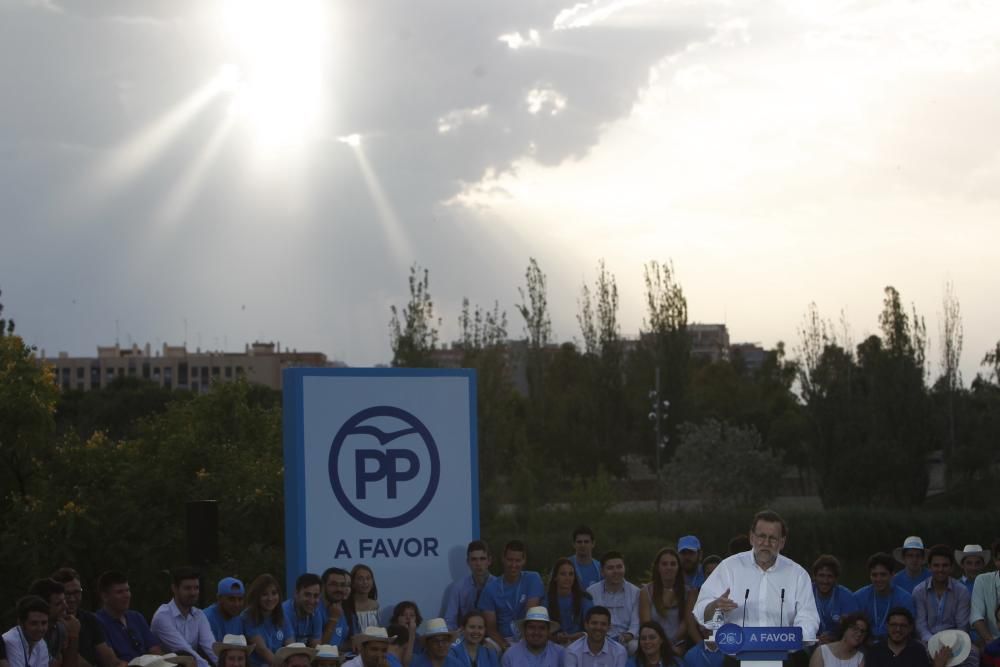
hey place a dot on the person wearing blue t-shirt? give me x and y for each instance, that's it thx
(913, 556)
(833, 601)
(471, 649)
(877, 598)
(703, 654)
(689, 549)
(336, 587)
(126, 630)
(224, 615)
(463, 595)
(507, 598)
(437, 644)
(302, 610)
(264, 623)
(588, 569)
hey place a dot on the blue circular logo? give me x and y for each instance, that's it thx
(729, 638)
(384, 466)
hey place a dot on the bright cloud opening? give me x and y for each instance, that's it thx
(283, 50)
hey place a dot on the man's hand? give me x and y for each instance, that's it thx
(72, 624)
(722, 602)
(943, 655)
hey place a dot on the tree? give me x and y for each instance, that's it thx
(665, 344)
(28, 396)
(951, 356)
(6, 326)
(534, 306)
(414, 338)
(723, 465)
(992, 359)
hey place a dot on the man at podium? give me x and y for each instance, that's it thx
(760, 587)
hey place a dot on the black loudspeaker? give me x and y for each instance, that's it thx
(202, 532)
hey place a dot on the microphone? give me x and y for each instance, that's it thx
(781, 609)
(746, 596)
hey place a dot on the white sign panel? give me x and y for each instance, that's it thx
(381, 469)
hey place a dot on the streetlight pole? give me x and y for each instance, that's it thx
(659, 413)
(659, 481)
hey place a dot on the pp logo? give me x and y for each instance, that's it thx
(384, 466)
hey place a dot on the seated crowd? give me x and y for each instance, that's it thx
(586, 613)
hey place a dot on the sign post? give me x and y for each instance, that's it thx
(381, 468)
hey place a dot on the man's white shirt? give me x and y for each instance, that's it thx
(763, 607)
(19, 651)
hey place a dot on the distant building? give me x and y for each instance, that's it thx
(751, 354)
(709, 341)
(173, 367)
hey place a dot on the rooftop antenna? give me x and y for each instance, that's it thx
(185, 332)
(116, 332)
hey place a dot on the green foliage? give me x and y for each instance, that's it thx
(534, 306)
(101, 504)
(28, 396)
(593, 495)
(872, 408)
(6, 326)
(116, 410)
(665, 344)
(413, 333)
(723, 465)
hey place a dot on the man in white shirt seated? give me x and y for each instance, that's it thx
(24, 643)
(760, 587)
(180, 625)
(596, 648)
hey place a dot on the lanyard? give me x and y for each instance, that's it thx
(885, 616)
(24, 646)
(517, 594)
(826, 610)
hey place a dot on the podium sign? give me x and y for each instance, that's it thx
(767, 644)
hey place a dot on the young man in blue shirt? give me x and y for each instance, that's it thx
(224, 615)
(881, 595)
(505, 599)
(302, 610)
(336, 588)
(127, 632)
(588, 569)
(833, 601)
(689, 550)
(913, 556)
(464, 595)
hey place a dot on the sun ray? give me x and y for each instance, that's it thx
(398, 243)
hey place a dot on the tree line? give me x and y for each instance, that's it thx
(858, 422)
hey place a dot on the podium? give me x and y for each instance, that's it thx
(758, 647)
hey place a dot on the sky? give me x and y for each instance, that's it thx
(217, 172)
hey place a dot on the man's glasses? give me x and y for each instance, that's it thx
(766, 539)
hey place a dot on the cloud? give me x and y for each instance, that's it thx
(545, 99)
(458, 117)
(515, 41)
